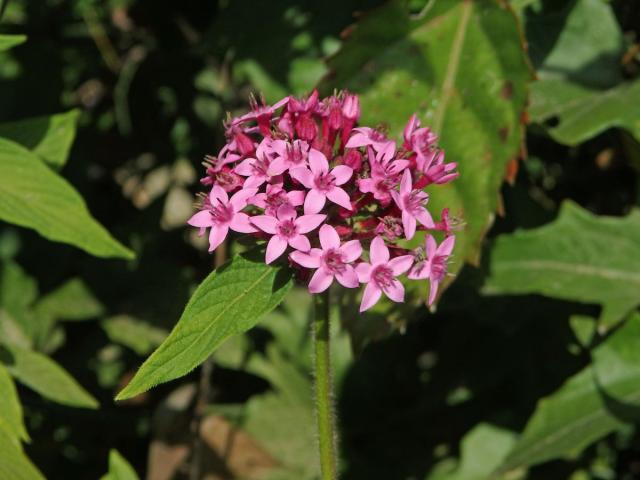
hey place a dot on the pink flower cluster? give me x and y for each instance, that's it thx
(302, 175)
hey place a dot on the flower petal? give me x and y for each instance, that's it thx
(340, 197)
(446, 247)
(320, 281)
(266, 223)
(351, 250)
(378, 252)
(409, 225)
(401, 264)
(275, 248)
(217, 236)
(395, 291)
(370, 297)
(405, 184)
(419, 271)
(307, 223)
(314, 201)
(342, 174)
(240, 223)
(424, 217)
(300, 242)
(241, 197)
(296, 197)
(433, 290)
(363, 270)
(201, 219)
(278, 166)
(303, 175)
(430, 246)
(218, 195)
(309, 259)
(318, 162)
(245, 168)
(329, 238)
(348, 277)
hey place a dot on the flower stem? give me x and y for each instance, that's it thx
(324, 388)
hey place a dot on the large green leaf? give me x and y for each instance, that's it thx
(594, 402)
(33, 196)
(45, 376)
(49, 137)
(229, 301)
(10, 41)
(10, 408)
(579, 257)
(577, 47)
(461, 68)
(14, 464)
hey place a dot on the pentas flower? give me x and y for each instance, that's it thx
(342, 198)
(286, 230)
(222, 214)
(432, 264)
(323, 183)
(333, 260)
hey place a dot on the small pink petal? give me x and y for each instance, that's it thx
(401, 264)
(446, 247)
(307, 260)
(342, 174)
(245, 168)
(406, 184)
(433, 290)
(240, 223)
(259, 200)
(275, 248)
(424, 217)
(409, 225)
(201, 219)
(241, 197)
(218, 195)
(303, 175)
(370, 297)
(217, 236)
(278, 166)
(348, 277)
(340, 197)
(395, 291)
(430, 246)
(318, 162)
(314, 202)
(419, 271)
(329, 238)
(357, 140)
(296, 197)
(300, 242)
(378, 252)
(265, 223)
(320, 281)
(286, 212)
(352, 250)
(363, 270)
(307, 223)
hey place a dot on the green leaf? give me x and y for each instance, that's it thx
(10, 408)
(577, 50)
(46, 377)
(14, 464)
(49, 137)
(462, 69)
(229, 301)
(119, 468)
(71, 301)
(139, 336)
(594, 402)
(10, 41)
(579, 257)
(482, 450)
(33, 196)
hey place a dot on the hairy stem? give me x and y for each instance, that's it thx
(324, 388)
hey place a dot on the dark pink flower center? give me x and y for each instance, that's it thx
(287, 228)
(275, 200)
(260, 167)
(294, 154)
(325, 181)
(334, 260)
(221, 213)
(414, 201)
(382, 275)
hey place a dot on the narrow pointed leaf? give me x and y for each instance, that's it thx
(14, 464)
(119, 468)
(10, 41)
(33, 196)
(10, 408)
(229, 301)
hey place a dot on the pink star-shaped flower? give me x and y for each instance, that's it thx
(380, 275)
(286, 230)
(412, 205)
(434, 168)
(384, 175)
(368, 136)
(332, 261)
(434, 266)
(257, 170)
(222, 214)
(288, 155)
(322, 183)
(275, 197)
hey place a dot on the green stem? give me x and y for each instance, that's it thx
(324, 394)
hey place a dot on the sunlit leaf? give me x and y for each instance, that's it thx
(10, 408)
(33, 196)
(10, 41)
(14, 464)
(119, 468)
(229, 301)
